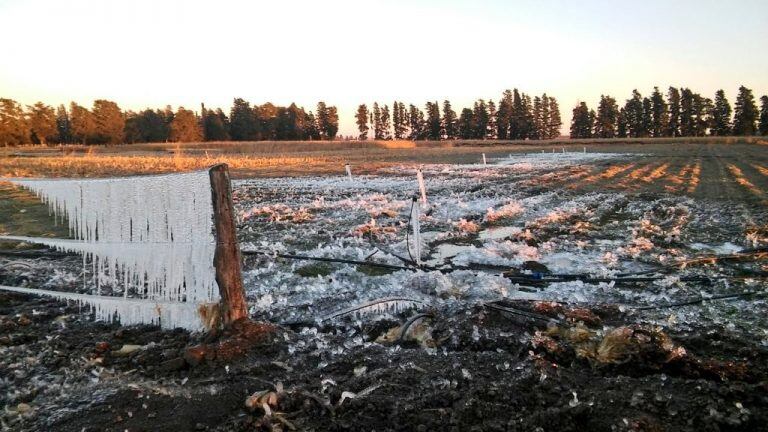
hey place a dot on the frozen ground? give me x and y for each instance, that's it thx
(435, 353)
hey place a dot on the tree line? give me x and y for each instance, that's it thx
(106, 123)
(517, 116)
(683, 113)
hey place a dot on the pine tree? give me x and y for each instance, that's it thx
(385, 124)
(491, 126)
(361, 118)
(634, 112)
(538, 121)
(311, 130)
(702, 114)
(185, 127)
(581, 122)
(396, 121)
(434, 129)
(517, 117)
(543, 132)
(405, 119)
(466, 124)
(63, 126)
(417, 123)
(13, 126)
(378, 131)
(528, 126)
(647, 119)
(41, 119)
(504, 115)
(745, 113)
(607, 112)
(687, 115)
(659, 114)
(449, 120)
(480, 117)
(673, 123)
(242, 121)
(721, 115)
(763, 129)
(621, 124)
(555, 121)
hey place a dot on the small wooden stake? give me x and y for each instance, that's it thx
(226, 259)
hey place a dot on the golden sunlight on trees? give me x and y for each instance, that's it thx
(185, 127)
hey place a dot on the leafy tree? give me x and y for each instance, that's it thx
(745, 113)
(331, 127)
(185, 127)
(449, 121)
(311, 130)
(14, 129)
(63, 126)
(215, 126)
(763, 115)
(83, 123)
(42, 122)
(659, 114)
(607, 113)
(466, 124)
(108, 121)
(721, 115)
(673, 124)
(361, 118)
(582, 122)
(242, 121)
(434, 129)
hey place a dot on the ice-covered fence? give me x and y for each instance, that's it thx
(164, 238)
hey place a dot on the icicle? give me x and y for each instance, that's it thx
(349, 171)
(422, 188)
(485, 162)
(155, 233)
(379, 306)
(416, 232)
(167, 314)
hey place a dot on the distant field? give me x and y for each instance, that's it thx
(292, 158)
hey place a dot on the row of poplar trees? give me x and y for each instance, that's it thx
(517, 116)
(106, 123)
(683, 113)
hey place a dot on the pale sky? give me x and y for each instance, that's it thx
(150, 53)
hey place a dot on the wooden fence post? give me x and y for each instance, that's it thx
(227, 259)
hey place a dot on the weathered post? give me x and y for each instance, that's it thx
(226, 259)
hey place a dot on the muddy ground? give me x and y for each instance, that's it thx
(514, 362)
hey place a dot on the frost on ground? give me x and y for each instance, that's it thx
(476, 215)
(364, 348)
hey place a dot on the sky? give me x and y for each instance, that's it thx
(153, 53)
